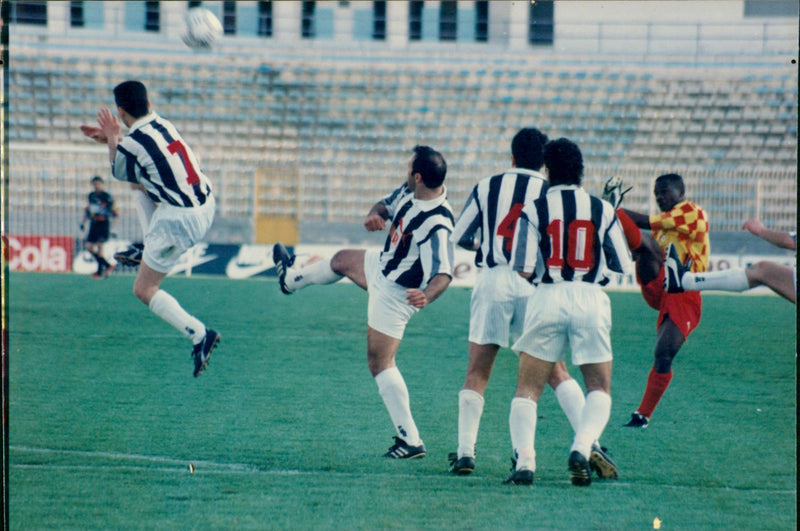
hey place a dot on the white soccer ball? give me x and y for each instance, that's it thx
(203, 29)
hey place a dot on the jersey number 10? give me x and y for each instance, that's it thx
(580, 245)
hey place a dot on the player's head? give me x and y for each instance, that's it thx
(669, 190)
(563, 161)
(527, 148)
(131, 97)
(429, 164)
(97, 182)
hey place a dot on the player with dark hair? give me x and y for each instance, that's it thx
(779, 278)
(500, 296)
(154, 156)
(567, 242)
(100, 213)
(413, 269)
(685, 225)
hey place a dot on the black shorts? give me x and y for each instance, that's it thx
(98, 232)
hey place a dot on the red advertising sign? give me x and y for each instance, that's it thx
(40, 253)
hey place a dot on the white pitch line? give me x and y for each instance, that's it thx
(213, 467)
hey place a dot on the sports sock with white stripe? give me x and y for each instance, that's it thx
(394, 392)
(318, 272)
(165, 306)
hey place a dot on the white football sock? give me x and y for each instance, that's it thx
(595, 416)
(165, 306)
(144, 209)
(318, 272)
(522, 424)
(727, 280)
(394, 392)
(570, 397)
(470, 409)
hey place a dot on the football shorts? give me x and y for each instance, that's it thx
(497, 306)
(684, 309)
(388, 311)
(98, 231)
(173, 231)
(574, 314)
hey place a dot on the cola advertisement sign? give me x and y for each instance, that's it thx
(40, 253)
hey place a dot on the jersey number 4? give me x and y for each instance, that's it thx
(177, 147)
(506, 227)
(580, 245)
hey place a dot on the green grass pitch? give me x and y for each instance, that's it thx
(285, 429)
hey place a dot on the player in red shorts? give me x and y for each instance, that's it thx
(685, 225)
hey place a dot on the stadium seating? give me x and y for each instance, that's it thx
(347, 124)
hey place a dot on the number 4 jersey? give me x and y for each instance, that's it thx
(569, 235)
(492, 210)
(154, 155)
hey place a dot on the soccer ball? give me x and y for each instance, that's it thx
(203, 28)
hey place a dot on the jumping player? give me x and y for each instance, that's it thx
(154, 155)
(685, 225)
(413, 269)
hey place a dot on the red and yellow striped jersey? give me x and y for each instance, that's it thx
(686, 226)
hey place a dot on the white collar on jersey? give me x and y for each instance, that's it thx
(526, 171)
(558, 187)
(149, 117)
(430, 204)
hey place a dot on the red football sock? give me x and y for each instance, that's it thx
(657, 384)
(632, 233)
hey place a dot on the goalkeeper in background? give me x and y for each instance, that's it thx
(99, 212)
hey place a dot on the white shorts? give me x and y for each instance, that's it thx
(497, 306)
(173, 231)
(388, 311)
(568, 313)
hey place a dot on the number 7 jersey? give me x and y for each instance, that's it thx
(568, 235)
(154, 155)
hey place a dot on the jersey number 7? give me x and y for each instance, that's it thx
(177, 147)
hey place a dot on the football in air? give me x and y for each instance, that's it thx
(202, 30)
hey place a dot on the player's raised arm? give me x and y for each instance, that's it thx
(376, 217)
(775, 237)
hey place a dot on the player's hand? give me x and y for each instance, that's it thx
(95, 133)
(754, 226)
(108, 123)
(375, 222)
(416, 298)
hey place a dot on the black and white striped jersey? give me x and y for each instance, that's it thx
(418, 245)
(569, 235)
(491, 212)
(154, 155)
